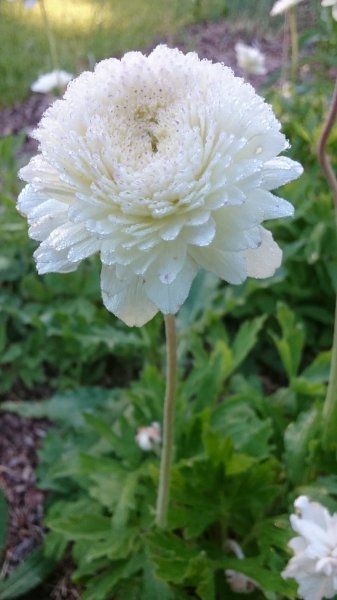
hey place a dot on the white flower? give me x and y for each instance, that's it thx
(314, 564)
(250, 59)
(148, 437)
(238, 582)
(49, 81)
(332, 3)
(281, 6)
(163, 165)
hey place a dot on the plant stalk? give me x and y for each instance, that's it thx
(168, 422)
(330, 404)
(323, 157)
(294, 42)
(50, 37)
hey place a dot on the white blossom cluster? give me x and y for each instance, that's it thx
(163, 165)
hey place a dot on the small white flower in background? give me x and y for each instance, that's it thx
(250, 59)
(281, 6)
(238, 582)
(148, 437)
(49, 81)
(162, 164)
(314, 564)
(332, 3)
(287, 90)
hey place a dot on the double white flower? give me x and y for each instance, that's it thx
(163, 165)
(314, 564)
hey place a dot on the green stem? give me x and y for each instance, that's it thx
(168, 422)
(330, 405)
(294, 42)
(285, 48)
(50, 37)
(323, 157)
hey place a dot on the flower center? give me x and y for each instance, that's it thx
(147, 120)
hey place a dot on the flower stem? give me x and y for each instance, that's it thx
(294, 42)
(330, 404)
(168, 422)
(50, 37)
(323, 157)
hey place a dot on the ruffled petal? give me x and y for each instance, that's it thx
(126, 298)
(279, 171)
(169, 297)
(201, 235)
(230, 266)
(49, 260)
(263, 261)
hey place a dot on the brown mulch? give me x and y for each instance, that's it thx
(20, 438)
(216, 41)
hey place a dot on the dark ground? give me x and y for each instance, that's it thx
(20, 438)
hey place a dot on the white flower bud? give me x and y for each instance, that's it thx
(49, 81)
(148, 437)
(250, 59)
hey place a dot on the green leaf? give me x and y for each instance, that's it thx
(299, 437)
(81, 526)
(153, 587)
(102, 586)
(319, 370)
(219, 449)
(170, 555)
(246, 339)
(27, 576)
(237, 420)
(290, 346)
(201, 574)
(239, 463)
(67, 408)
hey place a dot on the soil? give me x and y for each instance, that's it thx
(20, 438)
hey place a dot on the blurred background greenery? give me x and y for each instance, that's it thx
(89, 30)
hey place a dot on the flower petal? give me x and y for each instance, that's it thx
(169, 297)
(49, 260)
(230, 266)
(263, 261)
(126, 299)
(279, 171)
